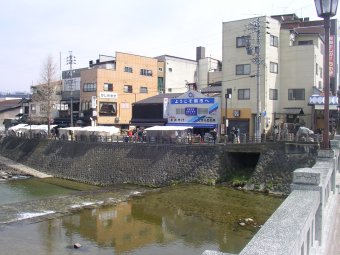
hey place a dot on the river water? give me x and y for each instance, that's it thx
(129, 220)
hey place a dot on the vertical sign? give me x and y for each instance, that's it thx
(165, 107)
(93, 102)
(331, 55)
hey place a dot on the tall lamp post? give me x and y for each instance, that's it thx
(326, 9)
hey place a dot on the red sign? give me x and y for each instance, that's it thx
(331, 55)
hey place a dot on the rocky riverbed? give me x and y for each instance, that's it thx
(8, 173)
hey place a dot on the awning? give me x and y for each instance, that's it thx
(195, 125)
(294, 111)
(321, 107)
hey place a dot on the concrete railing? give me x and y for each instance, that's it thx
(304, 224)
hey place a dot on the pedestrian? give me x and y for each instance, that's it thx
(214, 134)
(140, 135)
(130, 134)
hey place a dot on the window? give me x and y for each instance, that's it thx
(89, 87)
(128, 69)
(243, 94)
(321, 72)
(296, 94)
(127, 89)
(273, 94)
(160, 69)
(274, 67)
(108, 87)
(316, 68)
(170, 69)
(107, 109)
(242, 69)
(309, 42)
(320, 84)
(143, 90)
(242, 41)
(145, 72)
(274, 41)
(169, 89)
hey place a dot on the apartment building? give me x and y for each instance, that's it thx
(111, 85)
(269, 72)
(177, 73)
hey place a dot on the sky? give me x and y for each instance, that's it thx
(31, 30)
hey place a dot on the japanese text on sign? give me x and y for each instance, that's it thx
(192, 101)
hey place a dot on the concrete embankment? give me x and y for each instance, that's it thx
(158, 165)
(22, 168)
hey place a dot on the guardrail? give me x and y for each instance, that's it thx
(242, 139)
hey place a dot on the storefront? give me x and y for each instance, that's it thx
(317, 102)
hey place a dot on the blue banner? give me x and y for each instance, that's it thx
(192, 100)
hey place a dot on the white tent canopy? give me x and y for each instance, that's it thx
(169, 131)
(34, 129)
(179, 128)
(90, 130)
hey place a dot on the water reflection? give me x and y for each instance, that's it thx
(158, 220)
(178, 220)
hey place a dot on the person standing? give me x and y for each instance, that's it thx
(214, 134)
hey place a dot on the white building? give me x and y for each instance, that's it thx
(178, 72)
(270, 72)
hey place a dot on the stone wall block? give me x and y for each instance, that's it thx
(306, 176)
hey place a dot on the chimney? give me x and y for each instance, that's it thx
(200, 53)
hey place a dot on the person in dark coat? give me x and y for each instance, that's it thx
(214, 134)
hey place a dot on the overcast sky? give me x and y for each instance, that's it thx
(30, 30)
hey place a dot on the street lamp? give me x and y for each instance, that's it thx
(326, 9)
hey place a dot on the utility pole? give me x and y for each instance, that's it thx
(254, 49)
(70, 60)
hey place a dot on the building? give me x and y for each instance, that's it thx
(177, 73)
(269, 72)
(110, 86)
(151, 111)
(43, 107)
(9, 111)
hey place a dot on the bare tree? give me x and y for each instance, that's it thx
(45, 94)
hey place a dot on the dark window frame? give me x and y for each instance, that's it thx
(108, 87)
(89, 87)
(128, 69)
(241, 70)
(242, 41)
(274, 41)
(128, 89)
(241, 95)
(273, 94)
(293, 94)
(274, 67)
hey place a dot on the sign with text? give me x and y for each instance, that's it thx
(191, 111)
(192, 100)
(110, 95)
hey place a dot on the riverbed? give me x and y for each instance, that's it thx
(131, 220)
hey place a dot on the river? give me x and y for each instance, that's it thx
(129, 220)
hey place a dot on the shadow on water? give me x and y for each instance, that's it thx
(184, 219)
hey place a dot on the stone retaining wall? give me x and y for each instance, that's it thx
(113, 163)
(158, 164)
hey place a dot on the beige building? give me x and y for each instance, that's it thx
(268, 72)
(109, 88)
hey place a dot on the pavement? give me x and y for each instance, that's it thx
(336, 250)
(22, 168)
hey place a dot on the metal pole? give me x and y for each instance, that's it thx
(326, 83)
